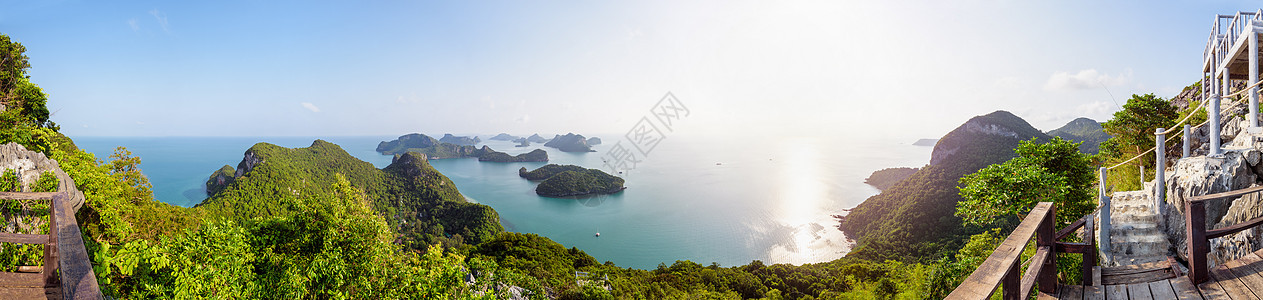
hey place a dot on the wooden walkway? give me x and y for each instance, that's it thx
(1238, 279)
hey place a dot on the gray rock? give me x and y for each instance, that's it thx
(30, 164)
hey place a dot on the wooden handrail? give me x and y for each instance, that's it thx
(1003, 264)
(66, 261)
(1199, 238)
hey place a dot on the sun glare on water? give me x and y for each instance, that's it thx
(802, 206)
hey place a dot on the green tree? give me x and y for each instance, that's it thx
(1132, 129)
(1055, 171)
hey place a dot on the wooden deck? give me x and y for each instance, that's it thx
(1238, 279)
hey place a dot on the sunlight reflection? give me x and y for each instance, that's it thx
(802, 208)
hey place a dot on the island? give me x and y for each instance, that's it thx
(570, 180)
(459, 140)
(535, 138)
(570, 143)
(925, 142)
(888, 177)
(537, 155)
(522, 142)
(433, 149)
(503, 137)
(593, 141)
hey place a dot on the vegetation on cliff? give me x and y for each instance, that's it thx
(220, 179)
(1088, 132)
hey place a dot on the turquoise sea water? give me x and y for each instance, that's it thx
(707, 199)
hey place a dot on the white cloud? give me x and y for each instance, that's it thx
(162, 19)
(1094, 109)
(311, 107)
(1085, 79)
(134, 24)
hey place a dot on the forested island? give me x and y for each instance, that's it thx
(885, 178)
(537, 155)
(570, 143)
(571, 180)
(432, 148)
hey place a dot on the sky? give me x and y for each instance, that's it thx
(907, 69)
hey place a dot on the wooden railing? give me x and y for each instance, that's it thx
(1003, 266)
(1199, 237)
(66, 262)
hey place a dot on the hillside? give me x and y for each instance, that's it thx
(914, 219)
(888, 177)
(414, 194)
(1083, 130)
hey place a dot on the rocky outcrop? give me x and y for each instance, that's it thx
(30, 164)
(220, 179)
(593, 141)
(570, 143)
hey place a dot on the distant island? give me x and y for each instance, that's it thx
(570, 180)
(503, 137)
(497, 156)
(535, 138)
(459, 140)
(925, 142)
(433, 149)
(1083, 130)
(522, 142)
(570, 143)
(886, 178)
(593, 141)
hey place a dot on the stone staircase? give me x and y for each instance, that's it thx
(1136, 236)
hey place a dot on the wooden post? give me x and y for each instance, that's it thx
(1046, 236)
(1198, 246)
(50, 248)
(1089, 254)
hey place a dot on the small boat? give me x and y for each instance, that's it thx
(598, 234)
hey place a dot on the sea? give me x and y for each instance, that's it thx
(708, 199)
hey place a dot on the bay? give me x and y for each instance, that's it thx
(722, 199)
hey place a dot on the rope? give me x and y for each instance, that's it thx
(1190, 114)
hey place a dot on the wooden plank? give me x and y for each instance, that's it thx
(1230, 284)
(1116, 292)
(23, 293)
(1184, 289)
(1244, 270)
(1212, 290)
(1162, 290)
(1096, 276)
(21, 238)
(1142, 277)
(1094, 292)
(1228, 194)
(1139, 291)
(78, 281)
(1069, 292)
(21, 279)
(987, 277)
(1033, 271)
(1135, 268)
(27, 196)
(1210, 234)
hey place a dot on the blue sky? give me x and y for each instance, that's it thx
(830, 68)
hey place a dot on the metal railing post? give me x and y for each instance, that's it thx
(1213, 112)
(1160, 166)
(1103, 235)
(1254, 78)
(1187, 140)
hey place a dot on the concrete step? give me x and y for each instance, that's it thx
(1124, 233)
(1137, 238)
(1134, 219)
(1136, 249)
(1136, 260)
